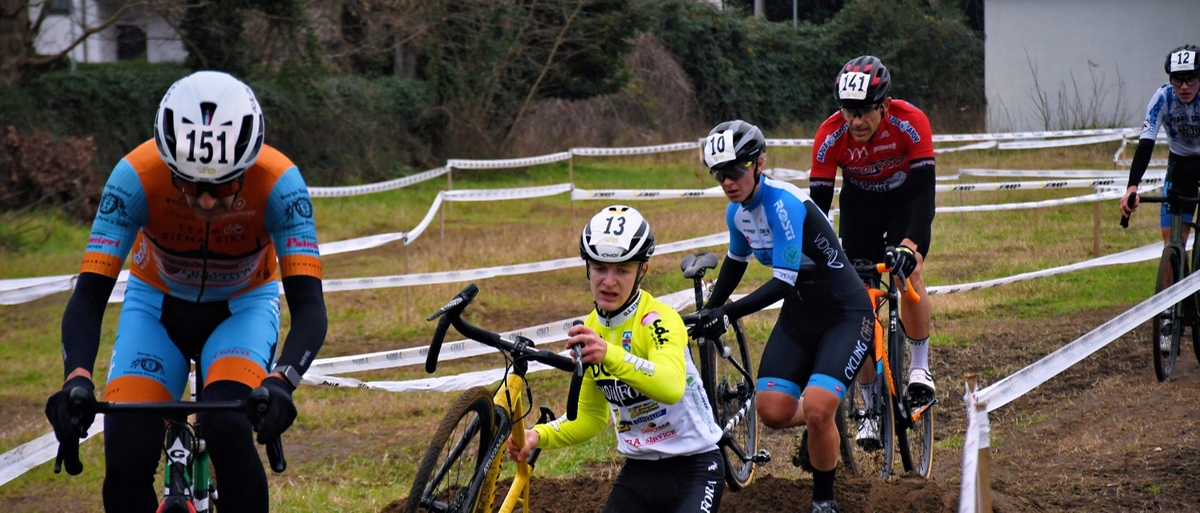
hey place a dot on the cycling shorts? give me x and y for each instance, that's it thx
(693, 483)
(1183, 179)
(234, 339)
(815, 347)
(868, 222)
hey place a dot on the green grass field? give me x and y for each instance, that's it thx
(355, 449)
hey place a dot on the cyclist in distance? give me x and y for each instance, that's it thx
(826, 325)
(1174, 107)
(885, 149)
(639, 368)
(205, 208)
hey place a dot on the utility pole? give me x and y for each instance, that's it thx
(758, 9)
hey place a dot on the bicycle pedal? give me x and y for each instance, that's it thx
(762, 458)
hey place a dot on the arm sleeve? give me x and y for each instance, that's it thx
(1141, 159)
(924, 205)
(593, 417)
(82, 319)
(660, 374)
(821, 194)
(309, 322)
(764, 296)
(731, 274)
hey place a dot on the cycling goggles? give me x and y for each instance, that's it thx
(860, 112)
(732, 171)
(1190, 80)
(216, 190)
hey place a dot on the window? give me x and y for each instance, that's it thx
(131, 43)
(60, 6)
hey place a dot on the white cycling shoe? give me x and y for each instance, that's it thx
(868, 435)
(920, 387)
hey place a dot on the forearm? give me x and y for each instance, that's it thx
(592, 418)
(821, 194)
(766, 295)
(81, 322)
(1141, 160)
(309, 321)
(924, 203)
(727, 280)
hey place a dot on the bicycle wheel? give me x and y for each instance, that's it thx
(1167, 325)
(845, 418)
(729, 385)
(451, 473)
(914, 427)
(890, 429)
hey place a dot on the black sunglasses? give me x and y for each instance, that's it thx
(1191, 81)
(732, 171)
(861, 111)
(216, 190)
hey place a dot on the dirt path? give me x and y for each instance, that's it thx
(1103, 436)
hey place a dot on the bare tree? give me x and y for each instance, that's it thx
(18, 32)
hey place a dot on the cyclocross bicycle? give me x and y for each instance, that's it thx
(904, 427)
(188, 486)
(461, 466)
(1173, 266)
(728, 378)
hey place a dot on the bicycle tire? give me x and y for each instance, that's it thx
(455, 464)
(1170, 271)
(845, 414)
(892, 431)
(916, 434)
(729, 387)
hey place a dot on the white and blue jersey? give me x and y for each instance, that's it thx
(1181, 121)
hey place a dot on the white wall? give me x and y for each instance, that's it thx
(1114, 49)
(59, 31)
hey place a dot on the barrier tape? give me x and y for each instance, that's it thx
(1012, 186)
(508, 163)
(1148, 252)
(1058, 143)
(357, 190)
(505, 194)
(976, 146)
(648, 194)
(635, 150)
(1053, 173)
(1153, 163)
(969, 491)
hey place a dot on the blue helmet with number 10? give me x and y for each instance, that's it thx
(209, 128)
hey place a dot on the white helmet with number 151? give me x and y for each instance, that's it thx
(209, 128)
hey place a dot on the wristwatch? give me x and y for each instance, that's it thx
(290, 374)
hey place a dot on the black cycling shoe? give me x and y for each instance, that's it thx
(829, 506)
(802, 459)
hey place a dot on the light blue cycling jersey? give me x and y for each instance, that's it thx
(1181, 120)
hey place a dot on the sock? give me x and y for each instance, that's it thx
(869, 393)
(823, 485)
(918, 351)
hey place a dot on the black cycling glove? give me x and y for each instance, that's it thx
(71, 421)
(279, 413)
(906, 260)
(711, 324)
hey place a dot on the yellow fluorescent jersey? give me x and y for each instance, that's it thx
(647, 384)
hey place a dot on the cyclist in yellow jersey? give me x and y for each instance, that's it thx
(640, 370)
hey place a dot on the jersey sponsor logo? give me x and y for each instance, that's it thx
(643, 409)
(299, 207)
(660, 332)
(905, 127)
(856, 153)
(139, 258)
(665, 435)
(102, 241)
(791, 255)
(649, 318)
(619, 393)
(147, 364)
(892, 182)
(110, 203)
(710, 492)
(293, 242)
(860, 351)
(829, 250)
(788, 233)
(654, 428)
(626, 340)
(829, 141)
(884, 147)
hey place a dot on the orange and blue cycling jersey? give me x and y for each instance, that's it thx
(904, 140)
(186, 257)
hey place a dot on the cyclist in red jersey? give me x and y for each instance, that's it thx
(206, 209)
(885, 149)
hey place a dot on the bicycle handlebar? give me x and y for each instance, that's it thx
(68, 453)
(866, 269)
(1157, 199)
(521, 349)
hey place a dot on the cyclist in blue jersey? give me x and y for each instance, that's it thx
(215, 219)
(826, 325)
(1174, 108)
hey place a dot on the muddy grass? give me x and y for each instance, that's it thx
(1103, 436)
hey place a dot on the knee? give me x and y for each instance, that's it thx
(222, 428)
(819, 414)
(774, 412)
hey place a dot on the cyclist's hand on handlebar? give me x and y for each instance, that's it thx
(711, 324)
(279, 412)
(593, 347)
(906, 260)
(1129, 202)
(71, 412)
(532, 439)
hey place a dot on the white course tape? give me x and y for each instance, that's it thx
(1089, 198)
(508, 163)
(634, 150)
(1052, 184)
(40, 450)
(1021, 382)
(790, 175)
(358, 190)
(976, 146)
(505, 194)
(1148, 252)
(1153, 162)
(1056, 173)
(636, 194)
(1058, 143)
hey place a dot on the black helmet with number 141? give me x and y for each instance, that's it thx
(863, 82)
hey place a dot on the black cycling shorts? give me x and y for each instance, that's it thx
(691, 484)
(868, 222)
(811, 346)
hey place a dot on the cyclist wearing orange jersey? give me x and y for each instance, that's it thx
(206, 209)
(885, 149)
